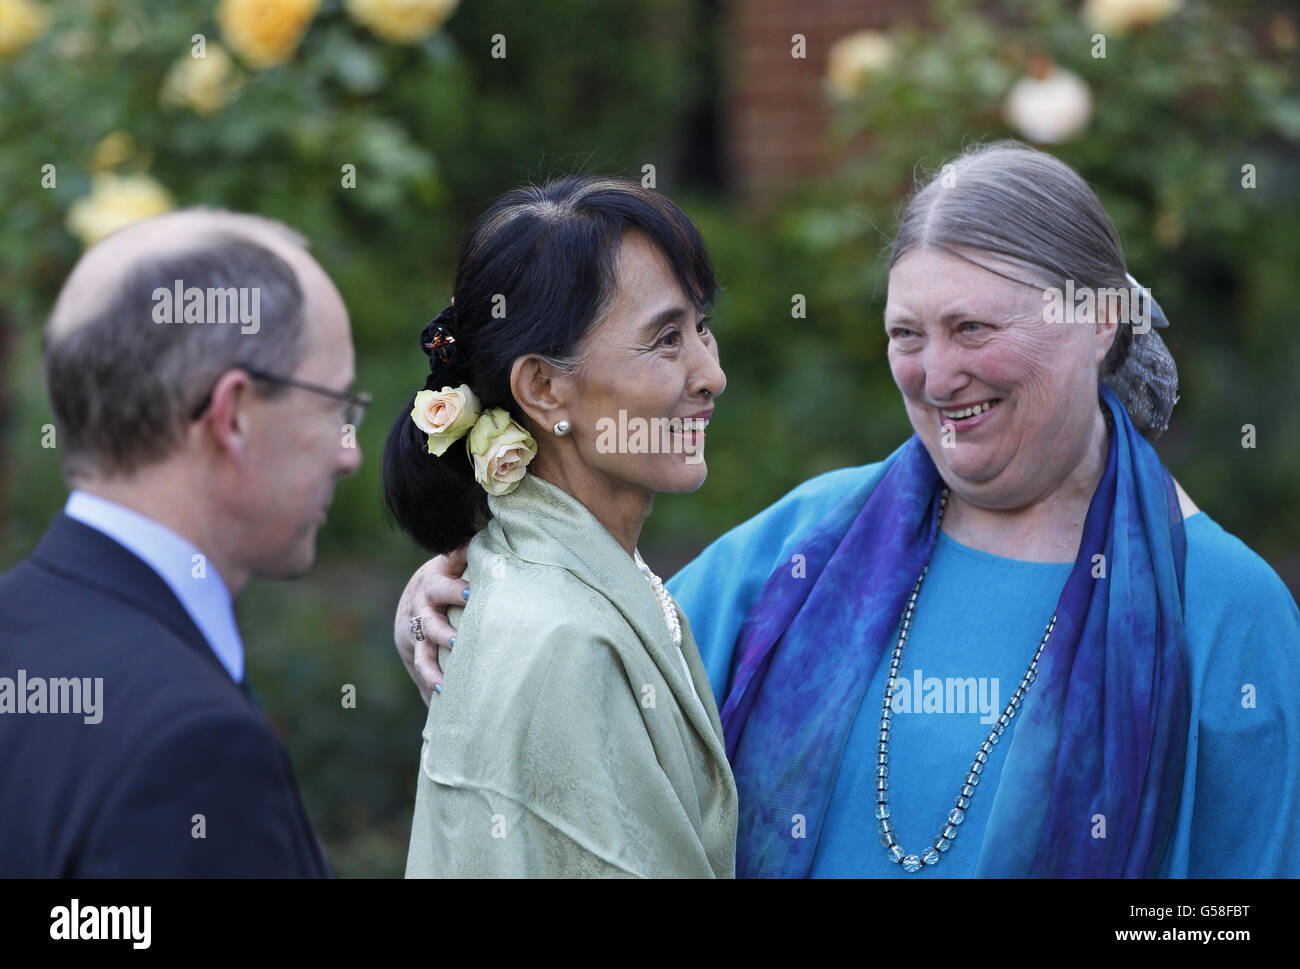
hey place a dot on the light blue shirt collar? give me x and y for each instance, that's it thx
(201, 590)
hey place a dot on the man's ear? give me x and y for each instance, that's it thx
(541, 391)
(227, 420)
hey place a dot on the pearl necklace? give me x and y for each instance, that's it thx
(665, 600)
(888, 837)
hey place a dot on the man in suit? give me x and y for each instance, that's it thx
(200, 436)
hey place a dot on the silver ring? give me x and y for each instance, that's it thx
(416, 630)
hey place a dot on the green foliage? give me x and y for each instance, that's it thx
(435, 130)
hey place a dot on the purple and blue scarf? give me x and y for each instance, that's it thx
(1103, 729)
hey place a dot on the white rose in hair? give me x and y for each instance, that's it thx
(501, 451)
(445, 415)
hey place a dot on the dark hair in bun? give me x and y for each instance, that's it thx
(550, 253)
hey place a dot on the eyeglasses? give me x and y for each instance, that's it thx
(353, 404)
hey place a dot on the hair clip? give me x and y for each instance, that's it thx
(440, 341)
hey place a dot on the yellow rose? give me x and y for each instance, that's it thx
(401, 21)
(445, 415)
(1119, 17)
(853, 59)
(116, 201)
(111, 151)
(501, 451)
(203, 84)
(265, 32)
(21, 22)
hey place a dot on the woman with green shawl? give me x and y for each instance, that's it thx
(577, 734)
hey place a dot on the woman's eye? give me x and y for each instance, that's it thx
(978, 326)
(901, 333)
(670, 335)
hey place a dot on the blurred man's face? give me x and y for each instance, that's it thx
(298, 442)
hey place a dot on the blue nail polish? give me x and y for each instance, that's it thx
(465, 595)
(451, 642)
(437, 688)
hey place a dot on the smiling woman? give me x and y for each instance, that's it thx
(1026, 535)
(576, 734)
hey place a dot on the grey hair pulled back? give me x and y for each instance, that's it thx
(1027, 206)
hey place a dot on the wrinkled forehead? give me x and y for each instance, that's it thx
(932, 283)
(104, 265)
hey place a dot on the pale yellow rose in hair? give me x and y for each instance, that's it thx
(401, 21)
(116, 201)
(21, 22)
(1119, 17)
(445, 415)
(501, 451)
(265, 32)
(202, 84)
(854, 59)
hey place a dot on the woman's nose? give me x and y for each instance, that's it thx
(944, 374)
(707, 376)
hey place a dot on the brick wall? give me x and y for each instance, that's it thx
(776, 107)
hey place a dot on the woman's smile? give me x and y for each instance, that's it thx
(967, 417)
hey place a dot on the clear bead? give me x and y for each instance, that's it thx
(956, 816)
(963, 802)
(911, 863)
(929, 857)
(949, 832)
(942, 843)
(967, 790)
(882, 811)
(895, 853)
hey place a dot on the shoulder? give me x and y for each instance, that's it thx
(798, 510)
(525, 614)
(1241, 620)
(1221, 567)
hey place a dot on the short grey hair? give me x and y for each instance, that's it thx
(123, 386)
(1028, 207)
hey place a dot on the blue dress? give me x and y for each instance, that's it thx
(978, 622)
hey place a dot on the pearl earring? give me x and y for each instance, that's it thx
(561, 428)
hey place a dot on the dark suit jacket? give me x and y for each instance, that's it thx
(178, 738)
